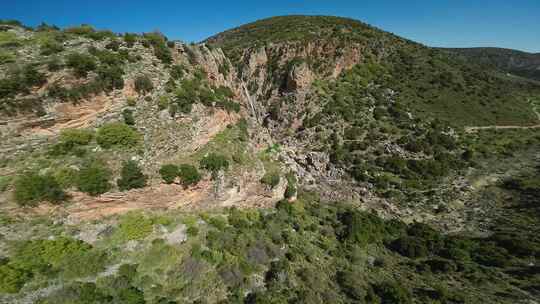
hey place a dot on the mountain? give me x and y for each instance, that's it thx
(511, 61)
(294, 159)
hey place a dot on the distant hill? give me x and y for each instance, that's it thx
(512, 61)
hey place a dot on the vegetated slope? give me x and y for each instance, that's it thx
(511, 61)
(431, 82)
(297, 125)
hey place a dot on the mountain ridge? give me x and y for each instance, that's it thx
(311, 160)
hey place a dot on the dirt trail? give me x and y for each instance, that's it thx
(495, 127)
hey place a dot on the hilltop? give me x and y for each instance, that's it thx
(296, 159)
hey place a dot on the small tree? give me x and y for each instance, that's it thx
(143, 84)
(169, 173)
(31, 188)
(131, 177)
(189, 175)
(128, 117)
(214, 163)
(111, 77)
(94, 179)
(271, 179)
(81, 64)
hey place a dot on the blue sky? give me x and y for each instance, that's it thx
(450, 23)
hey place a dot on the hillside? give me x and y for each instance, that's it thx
(431, 82)
(296, 159)
(511, 61)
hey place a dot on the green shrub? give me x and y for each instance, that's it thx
(94, 178)
(214, 163)
(77, 293)
(31, 188)
(5, 182)
(117, 135)
(129, 120)
(40, 256)
(189, 175)
(163, 102)
(392, 293)
(111, 77)
(131, 102)
(83, 263)
(77, 136)
(109, 58)
(54, 64)
(51, 47)
(20, 81)
(143, 84)
(114, 45)
(131, 177)
(224, 68)
(12, 279)
(135, 226)
(81, 64)
(354, 286)
(66, 177)
(291, 189)
(271, 179)
(177, 71)
(361, 228)
(169, 173)
(130, 39)
(161, 50)
(6, 57)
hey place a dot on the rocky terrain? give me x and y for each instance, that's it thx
(236, 169)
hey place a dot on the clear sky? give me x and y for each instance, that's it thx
(449, 23)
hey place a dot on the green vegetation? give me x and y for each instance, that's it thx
(159, 43)
(214, 163)
(66, 177)
(189, 175)
(32, 188)
(131, 176)
(5, 182)
(392, 127)
(89, 32)
(81, 64)
(292, 29)
(130, 39)
(72, 140)
(309, 250)
(21, 81)
(129, 120)
(94, 178)
(143, 84)
(135, 226)
(197, 90)
(169, 173)
(51, 47)
(177, 71)
(117, 135)
(72, 258)
(291, 189)
(271, 179)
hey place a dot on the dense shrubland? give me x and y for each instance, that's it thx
(306, 251)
